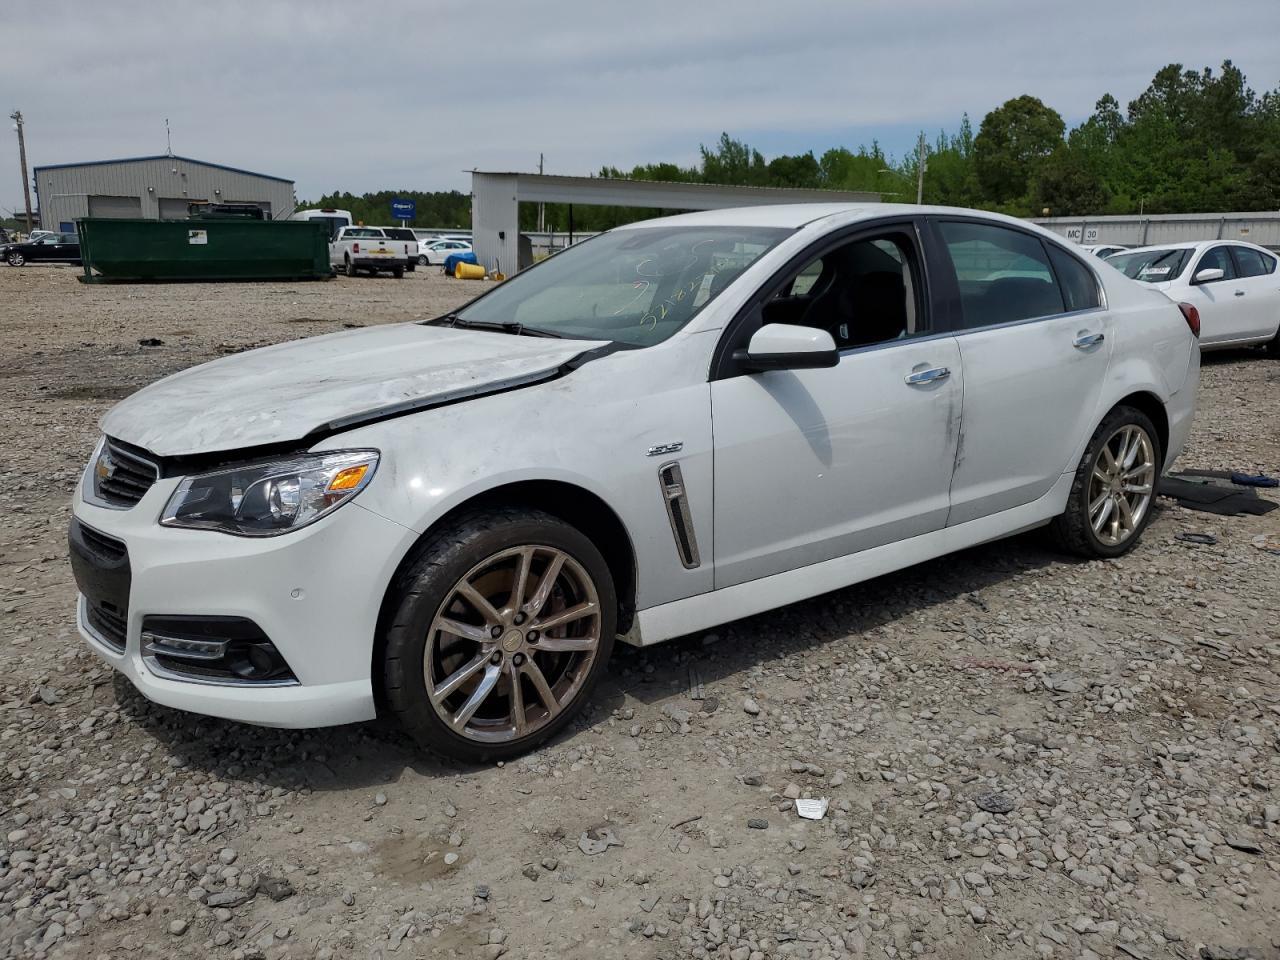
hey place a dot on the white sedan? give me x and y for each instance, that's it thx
(1234, 286)
(671, 425)
(435, 251)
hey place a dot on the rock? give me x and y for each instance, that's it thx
(993, 802)
(277, 888)
(178, 927)
(227, 855)
(229, 898)
(758, 823)
(380, 799)
(750, 707)
(595, 842)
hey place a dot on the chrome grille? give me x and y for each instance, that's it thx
(121, 475)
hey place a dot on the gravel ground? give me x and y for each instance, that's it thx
(1024, 755)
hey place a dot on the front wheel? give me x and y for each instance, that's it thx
(398, 272)
(1114, 488)
(1273, 345)
(16, 259)
(502, 628)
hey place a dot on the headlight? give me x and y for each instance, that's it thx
(270, 498)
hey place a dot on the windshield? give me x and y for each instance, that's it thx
(633, 286)
(1151, 266)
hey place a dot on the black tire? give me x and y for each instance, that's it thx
(1273, 346)
(351, 270)
(16, 259)
(1072, 530)
(428, 581)
(422, 260)
(398, 272)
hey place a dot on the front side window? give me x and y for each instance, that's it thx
(635, 286)
(1151, 266)
(1252, 263)
(862, 293)
(1004, 275)
(1217, 258)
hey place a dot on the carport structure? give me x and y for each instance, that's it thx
(496, 198)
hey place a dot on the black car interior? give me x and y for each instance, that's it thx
(863, 294)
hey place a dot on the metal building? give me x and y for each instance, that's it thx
(153, 188)
(1262, 228)
(495, 200)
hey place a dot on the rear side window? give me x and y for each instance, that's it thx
(1252, 263)
(1004, 275)
(1078, 284)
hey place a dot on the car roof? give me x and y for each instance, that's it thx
(1198, 244)
(796, 215)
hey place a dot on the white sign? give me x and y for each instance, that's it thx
(1091, 235)
(198, 237)
(1073, 233)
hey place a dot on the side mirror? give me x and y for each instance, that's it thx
(786, 346)
(1209, 274)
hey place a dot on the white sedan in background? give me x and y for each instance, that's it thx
(1234, 286)
(669, 426)
(435, 251)
(1104, 250)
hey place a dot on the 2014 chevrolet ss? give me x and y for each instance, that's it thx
(669, 426)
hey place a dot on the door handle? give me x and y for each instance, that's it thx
(1239, 293)
(928, 376)
(1088, 340)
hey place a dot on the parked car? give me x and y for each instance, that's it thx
(51, 248)
(668, 426)
(368, 248)
(1234, 286)
(435, 251)
(406, 237)
(1104, 250)
(37, 234)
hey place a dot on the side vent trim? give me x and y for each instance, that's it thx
(671, 481)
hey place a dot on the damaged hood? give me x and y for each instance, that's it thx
(288, 391)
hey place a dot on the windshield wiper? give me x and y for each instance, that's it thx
(506, 326)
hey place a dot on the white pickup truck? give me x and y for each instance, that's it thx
(368, 248)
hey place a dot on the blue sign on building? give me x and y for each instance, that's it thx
(402, 209)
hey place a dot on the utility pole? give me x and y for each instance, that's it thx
(920, 165)
(542, 208)
(16, 117)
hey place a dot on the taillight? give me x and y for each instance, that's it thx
(1192, 316)
(355, 248)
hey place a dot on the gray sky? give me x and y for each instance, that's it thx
(362, 97)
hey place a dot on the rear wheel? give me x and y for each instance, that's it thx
(351, 270)
(422, 260)
(1114, 488)
(398, 272)
(502, 628)
(16, 259)
(1273, 347)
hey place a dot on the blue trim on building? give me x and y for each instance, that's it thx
(160, 156)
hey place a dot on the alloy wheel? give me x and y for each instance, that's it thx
(1121, 485)
(512, 644)
(16, 259)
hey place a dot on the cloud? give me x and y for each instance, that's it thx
(409, 96)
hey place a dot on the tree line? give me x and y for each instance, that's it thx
(1192, 142)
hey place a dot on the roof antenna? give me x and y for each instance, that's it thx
(167, 139)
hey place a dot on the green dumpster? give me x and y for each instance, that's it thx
(202, 248)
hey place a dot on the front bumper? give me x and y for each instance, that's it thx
(315, 593)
